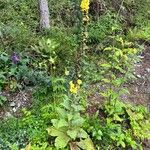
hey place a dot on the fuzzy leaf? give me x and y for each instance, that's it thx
(86, 144)
(62, 112)
(78, 122)
(62, 140)
(82, 134)
(53, 131)
(28, 147)
(72, 133)
(62, 123)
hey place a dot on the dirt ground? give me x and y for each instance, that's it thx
(15, 102)
(139, 88)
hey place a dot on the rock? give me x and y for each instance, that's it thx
(19, 104)
(136, 89)
(12, 104)
(14, 109)
(148, 70)
(138, 65)
(141, 56)
(139, 76)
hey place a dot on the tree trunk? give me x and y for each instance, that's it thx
(44, 14)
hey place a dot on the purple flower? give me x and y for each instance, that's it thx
(15, 58)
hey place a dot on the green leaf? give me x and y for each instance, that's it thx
(104, 94)
(78, 107)
(14, 147)
(53, 131)
(106, 80)
(120, 69)
(72, 133)
(69, 116)
(66, 103)
(106, 65)
(54, 122)
(117, 118)
(82, 134)
(62, 112)
(62, 123)
(78, 122)
(86, 144)
(62, 140)
(108, 49)
(122, 144)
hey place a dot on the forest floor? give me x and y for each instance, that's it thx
(139, 90)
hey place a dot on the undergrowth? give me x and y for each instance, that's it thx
(84, 46)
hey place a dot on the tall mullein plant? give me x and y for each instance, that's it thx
(84, 6)
(85, 18)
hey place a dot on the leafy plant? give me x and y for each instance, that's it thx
(100, 29)
(67, 127)
(39, 146)
(120, 118)
(3, 99)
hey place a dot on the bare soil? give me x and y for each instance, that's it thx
(16, 101)
(139, 88)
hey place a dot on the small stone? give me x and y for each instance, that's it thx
(138, 65)
(139, 76)
(14, 109)
(12, 104)
(148, 70)
(19, 104)
(136, 89)
(141, 56)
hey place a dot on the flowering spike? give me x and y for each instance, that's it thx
(15, 58)
(85, 5)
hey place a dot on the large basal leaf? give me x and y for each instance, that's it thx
(59, 123)
(28, 147)
(62, 140)
(62, 112)
(82, 134)
(86, 144)
(53, 131)
(78, 121)
(62, 123)
(73, 133)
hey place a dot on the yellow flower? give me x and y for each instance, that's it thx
(73, 88)
(85, 5)
(79, 82)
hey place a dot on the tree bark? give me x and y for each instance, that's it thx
(44, 14)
